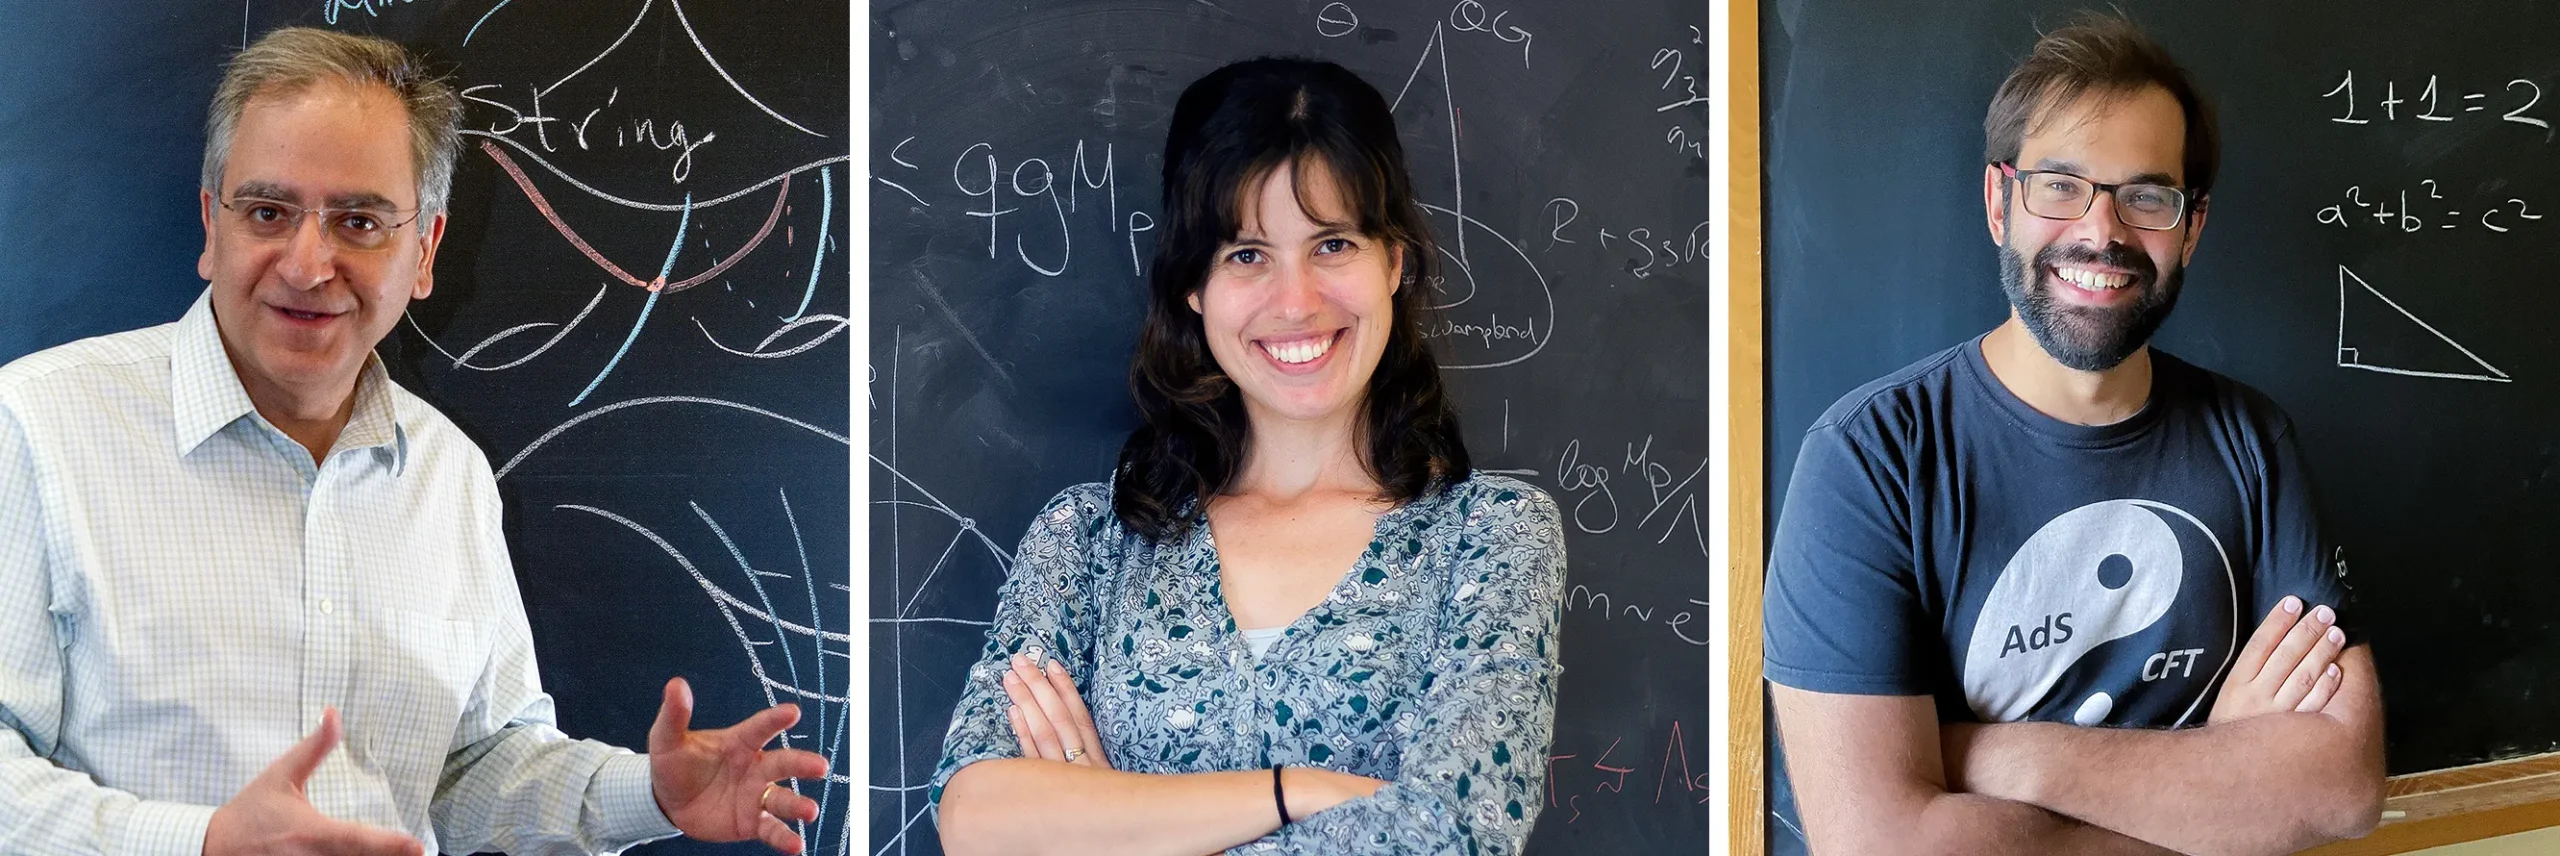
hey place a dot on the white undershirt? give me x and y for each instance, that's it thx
(1260, 639)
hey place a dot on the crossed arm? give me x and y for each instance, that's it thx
(1054, 804)
(1469, 774)
(2292, 758)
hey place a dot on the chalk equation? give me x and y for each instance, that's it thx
(993, 184)
(1682, 64)
(2428, 210)
(2517, 101)
(1667, 497)
(1588, 777)
(1642, 250)
(1585, 599)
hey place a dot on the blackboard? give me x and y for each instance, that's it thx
(675, 463)
(1561, 156)
(2378, 250)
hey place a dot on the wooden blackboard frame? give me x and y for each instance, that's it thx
(1745, 422)
(2451, 806)
(2422, 810)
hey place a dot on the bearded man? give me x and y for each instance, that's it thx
(2011, 598)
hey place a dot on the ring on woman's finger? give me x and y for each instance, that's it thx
(1075, 752)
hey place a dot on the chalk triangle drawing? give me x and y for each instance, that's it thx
(2351, 358)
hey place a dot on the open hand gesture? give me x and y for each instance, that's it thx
(273, 815)
(719, 785)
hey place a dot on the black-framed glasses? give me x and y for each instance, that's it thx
(361, 230)
(2062, 196)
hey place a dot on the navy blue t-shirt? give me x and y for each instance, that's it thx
(1942, 538)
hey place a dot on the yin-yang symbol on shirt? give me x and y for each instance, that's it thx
(2095, 574)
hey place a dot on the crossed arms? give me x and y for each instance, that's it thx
(2291, 758)
(1030, 773)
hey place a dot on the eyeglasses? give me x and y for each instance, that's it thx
(357, 229)
(2063, 196)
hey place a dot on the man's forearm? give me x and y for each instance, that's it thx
(1954, 823)
(529, 788)
(2264, 785)
(53, 810)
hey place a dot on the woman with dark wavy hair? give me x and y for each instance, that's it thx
(1181, 662)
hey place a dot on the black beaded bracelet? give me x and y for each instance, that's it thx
(1278, 800)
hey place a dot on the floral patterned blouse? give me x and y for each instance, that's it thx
(1432, 665)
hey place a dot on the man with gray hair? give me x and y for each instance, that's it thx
(229, 543)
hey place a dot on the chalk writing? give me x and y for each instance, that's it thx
(1675, 779)
(1336, 20)
(1468, 16)
(993, 184)
(1672, 61)
(1596, 509)
(369, 7)
(1644, 250)
(1487, 333)
(965, 560)
(2496, 212)
(2437, 103)
(1583, 598)
(636, 131)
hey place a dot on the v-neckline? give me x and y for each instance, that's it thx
(1234, 630)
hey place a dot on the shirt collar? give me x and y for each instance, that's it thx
(206, 396)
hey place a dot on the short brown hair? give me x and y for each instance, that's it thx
(290, 60)
(2106, 55)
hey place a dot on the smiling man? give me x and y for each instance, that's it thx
(2052, 590)
(229, 543)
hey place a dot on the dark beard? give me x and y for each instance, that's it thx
(2083, 338)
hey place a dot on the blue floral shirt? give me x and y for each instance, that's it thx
(1432, 665)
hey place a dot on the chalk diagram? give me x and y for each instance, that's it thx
(964, 560)
(786, 616)
(1485, 340)
(2351, 357)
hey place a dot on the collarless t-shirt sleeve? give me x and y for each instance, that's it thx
(1842, 610)
(2296, 555)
